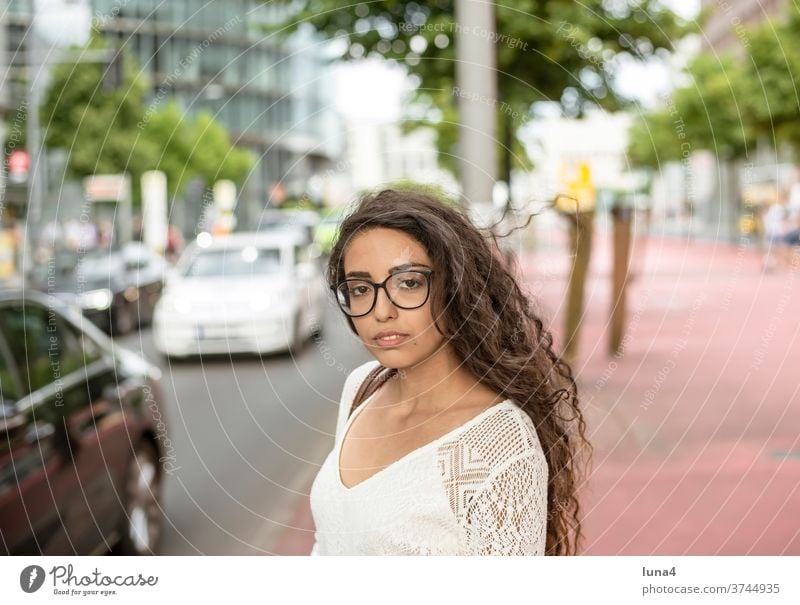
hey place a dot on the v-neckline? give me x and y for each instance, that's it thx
(404, 457)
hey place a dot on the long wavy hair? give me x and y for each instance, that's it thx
(495, 333)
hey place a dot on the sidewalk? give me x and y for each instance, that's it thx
(695, 425)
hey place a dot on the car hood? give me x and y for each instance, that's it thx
(69, 287)
(226, 288)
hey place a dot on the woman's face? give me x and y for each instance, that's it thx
(373, 255)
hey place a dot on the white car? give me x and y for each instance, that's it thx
(245, 292)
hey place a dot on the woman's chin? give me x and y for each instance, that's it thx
(408, 353)
(391, 358)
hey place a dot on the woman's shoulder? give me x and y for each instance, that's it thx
(351, 384)
(356, 377)
(503, 433)
(498, 457)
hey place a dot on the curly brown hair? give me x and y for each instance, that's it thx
(495, 332)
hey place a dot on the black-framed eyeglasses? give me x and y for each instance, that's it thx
(405, 289)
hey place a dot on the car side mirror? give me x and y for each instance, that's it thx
(111, 392)
(10, 419)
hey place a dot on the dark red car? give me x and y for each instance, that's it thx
(81, 460)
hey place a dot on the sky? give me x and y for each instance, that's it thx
(371, 90)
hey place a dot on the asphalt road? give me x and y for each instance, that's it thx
(248, 435)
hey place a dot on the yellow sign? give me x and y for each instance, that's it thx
(6, 254)
(581, 193)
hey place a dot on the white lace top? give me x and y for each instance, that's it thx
(481, 489)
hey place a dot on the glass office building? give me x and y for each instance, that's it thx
(273, 95)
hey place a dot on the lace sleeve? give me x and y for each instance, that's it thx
(508, 514)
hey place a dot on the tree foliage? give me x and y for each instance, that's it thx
(547, 50)
(653, 140)
(771, 80)
(731, 100)
(106, 132)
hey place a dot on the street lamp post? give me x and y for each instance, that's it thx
(59, 23)
(37, 73)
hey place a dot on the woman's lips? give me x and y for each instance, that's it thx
(391, 340)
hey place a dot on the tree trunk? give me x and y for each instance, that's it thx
(508, 142)
(620, 276)
(581, 229)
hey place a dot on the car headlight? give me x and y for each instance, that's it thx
(95, 299)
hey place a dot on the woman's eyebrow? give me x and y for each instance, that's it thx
(404, 267)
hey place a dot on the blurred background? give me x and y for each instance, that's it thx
(173, 177)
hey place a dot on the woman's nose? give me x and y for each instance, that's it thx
(384, 308)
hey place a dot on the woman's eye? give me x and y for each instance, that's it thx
(356, 291)
(410, 284)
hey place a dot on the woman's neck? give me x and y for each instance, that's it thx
(439, 383)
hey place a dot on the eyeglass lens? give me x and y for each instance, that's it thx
(407, 290)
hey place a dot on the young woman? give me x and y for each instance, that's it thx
(467, 436)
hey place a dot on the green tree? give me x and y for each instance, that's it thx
(167, 131)
(731, 100)
(97, 127)
(211, 153)
(771, 72)
(711, 112)
(652, 140)
(191, 148)
(547, 50)
(112, 131)
(713, 108)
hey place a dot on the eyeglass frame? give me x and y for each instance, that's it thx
(375, 287)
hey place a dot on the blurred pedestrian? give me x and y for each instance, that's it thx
(463, 435)
(87, 236)
(175, 243)
(105, 235)
(72, 234)
(52, 235)
(791, 239)
(774, 233)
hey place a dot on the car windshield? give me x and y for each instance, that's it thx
(99, 265)
(71, 272)
(234, 261)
